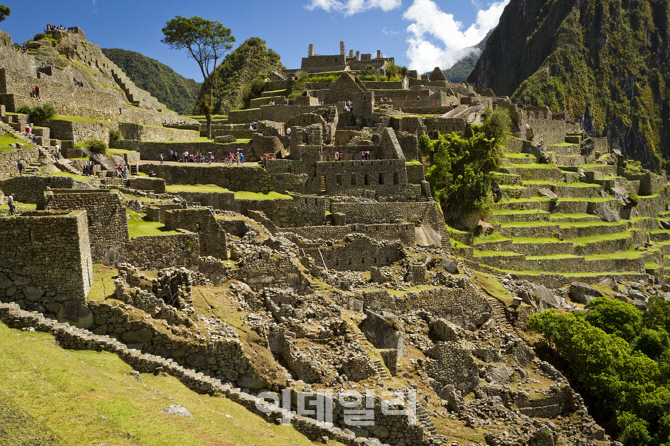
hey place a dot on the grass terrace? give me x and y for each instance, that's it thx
(7, 139)
(139, 227)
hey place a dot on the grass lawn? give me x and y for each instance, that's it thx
(139, 227)
(119, 152)
(497, 254)
(213, 188)
(80, 119)
(491, 285)
(103, 282)
(7, 139)
(83, 178)
(87, 397)
(244, 195)
(413, 163)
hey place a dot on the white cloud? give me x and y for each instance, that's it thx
(389, 32)
(438, 40)
(351, 7)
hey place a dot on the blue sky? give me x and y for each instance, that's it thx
(420, 34)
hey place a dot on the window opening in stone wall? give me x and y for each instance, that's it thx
(338, 179)
(323, 183)
(349, 261)
(353, 180)
(396, 179)
(363, 260)
(381, 178)
(367, 179)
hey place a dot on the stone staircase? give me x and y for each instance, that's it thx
(499, 313)
(377, 364)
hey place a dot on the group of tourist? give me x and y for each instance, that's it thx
(236, 158)
(35, 93)
(348, 106)
(339, 156)
(174, 156)
(195, 157)
(88, 168)
(121, 171)
(385, 100)
(365, 155)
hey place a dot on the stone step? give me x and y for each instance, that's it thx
(659, 236)
(542, 230)
(570, 160)
(535, 172)
(563, 150)
(515, 215)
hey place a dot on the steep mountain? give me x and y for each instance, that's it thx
(250, 61)
(172, 89)
(606, 62)
(462, 69)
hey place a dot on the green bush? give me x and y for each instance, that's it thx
(39, 37)
(115, 135)
(42, 113)
(97, 146)
(24, 109)
(633, 199)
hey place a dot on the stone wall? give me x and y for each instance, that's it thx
(80, 131)
(107, 219)
(156, 133)
(30, 189)
(386, 177)
(151, 150)
(235, 178)
(459, 303)
(45, 259)
(213, 240)
(162, 251)
(302, 210)
(10, 158)
(403, 232)
(72, 100)
(147, 183)
(356, 252)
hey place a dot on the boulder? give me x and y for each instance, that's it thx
(498, 374)
(450, 266)
(665, 224)
(620, 194)
(485, 228)
(33, 293)
(138, 336)
(427, 237)
(444, 330)
(251, 382)
(545, 299)
(225, 139)
(609, 282)
(547, 193)
(583, 293)
(384, 330)
(606, 213)
(177, 410)
(76, 313)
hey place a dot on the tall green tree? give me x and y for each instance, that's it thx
(207, 42)
(461, 165)
(4, 12)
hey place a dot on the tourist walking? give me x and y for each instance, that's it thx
(19, 165)
(57, 152)
(10, 203)
(161, 157)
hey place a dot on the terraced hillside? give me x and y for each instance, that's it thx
(572, 214)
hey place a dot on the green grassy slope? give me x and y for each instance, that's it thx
(87, 397)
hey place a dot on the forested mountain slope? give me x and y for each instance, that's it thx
(606, 62)
(170, 88)
(250, 61)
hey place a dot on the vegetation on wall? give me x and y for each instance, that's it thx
(606, 63)
(249, 63)
(41, 113)
(170, 88)
(618, 358)
(460, 166)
